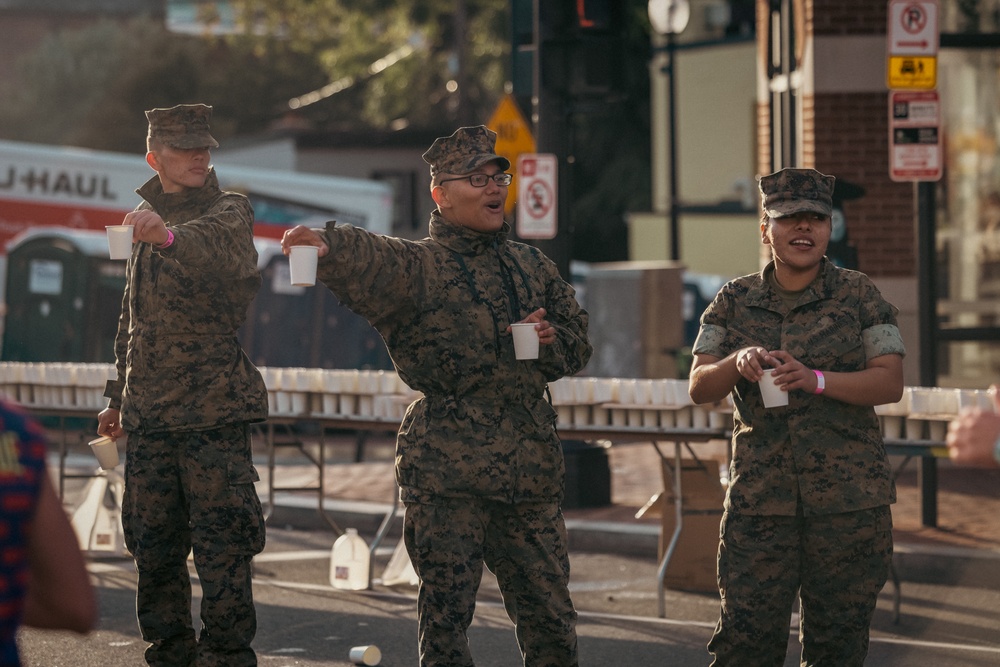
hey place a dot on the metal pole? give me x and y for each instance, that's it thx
(926, 204)
(675, 241)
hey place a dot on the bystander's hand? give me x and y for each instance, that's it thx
(973, 435)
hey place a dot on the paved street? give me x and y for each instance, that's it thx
(949, 611)
(304, 622)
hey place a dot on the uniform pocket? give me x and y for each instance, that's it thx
(244, 510)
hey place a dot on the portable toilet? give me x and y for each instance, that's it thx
(63, 296)
(305, 327)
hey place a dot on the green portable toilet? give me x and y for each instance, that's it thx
(307, 327)
(63, 296)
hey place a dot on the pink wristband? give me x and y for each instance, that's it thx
(820, 382)
(168, 242)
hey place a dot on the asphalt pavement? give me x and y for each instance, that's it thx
(303, 621)
(948, 611)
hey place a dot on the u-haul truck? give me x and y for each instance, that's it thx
(55, 203)
(85, 189)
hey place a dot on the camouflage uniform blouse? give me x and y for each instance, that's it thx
(180, 365)
(818, 454)
(442, 304)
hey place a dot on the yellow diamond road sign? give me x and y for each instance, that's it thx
(513, 138)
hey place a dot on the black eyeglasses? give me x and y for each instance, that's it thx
(480, 180)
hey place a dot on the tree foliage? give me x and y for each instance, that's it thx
(89, 87)
(453, 70)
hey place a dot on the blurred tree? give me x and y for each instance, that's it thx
(89, 87)
(433, 63)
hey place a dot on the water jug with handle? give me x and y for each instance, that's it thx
(349, 562)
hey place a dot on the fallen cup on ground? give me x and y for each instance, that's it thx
(366, 655)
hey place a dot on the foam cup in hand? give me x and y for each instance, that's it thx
(106, 451)
(302, 264)
(772, 395)
(119, 241)
(525, 340)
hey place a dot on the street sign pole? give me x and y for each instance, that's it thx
(915, 155)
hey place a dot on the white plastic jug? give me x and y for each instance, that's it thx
(349, 561)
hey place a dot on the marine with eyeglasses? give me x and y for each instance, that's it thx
(478, 461)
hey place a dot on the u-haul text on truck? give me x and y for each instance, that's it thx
(86, 189)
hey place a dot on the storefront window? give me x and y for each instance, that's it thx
(970, 16)
(968, 221)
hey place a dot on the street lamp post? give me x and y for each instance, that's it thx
(669, 18)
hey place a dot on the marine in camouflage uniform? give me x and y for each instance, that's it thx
(807, 508)
(186, 393)
(478, 460)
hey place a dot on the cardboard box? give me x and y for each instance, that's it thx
(701, 484)
(693, 565)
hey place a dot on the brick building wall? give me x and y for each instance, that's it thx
(845, 133)
(852, 139)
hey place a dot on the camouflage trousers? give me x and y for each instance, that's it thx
(184, 491)
(836, 563)
(524, 545)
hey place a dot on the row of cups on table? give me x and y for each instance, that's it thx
(664, 392)
(377, 394)
(56, 385)
(633, 403)
(922, 412)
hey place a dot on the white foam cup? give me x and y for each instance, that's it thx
(525, 340)
(106, 451)
(119, 241)
(366, 655)
(772, 395)
(302, 264)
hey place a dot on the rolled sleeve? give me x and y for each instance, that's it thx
(882, 339)
(709, 341)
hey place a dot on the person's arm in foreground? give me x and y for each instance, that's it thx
(60, 595)
(972, 435)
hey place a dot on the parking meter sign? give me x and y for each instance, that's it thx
(537, 196)
(915, 136)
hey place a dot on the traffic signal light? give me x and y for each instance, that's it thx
(596, 60)
(582, 46)
(596, 15)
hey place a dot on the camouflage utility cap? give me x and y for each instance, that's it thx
(464, 151)
(792, 191)
(182, 126)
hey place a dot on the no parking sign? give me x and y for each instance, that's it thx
(537, 196)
